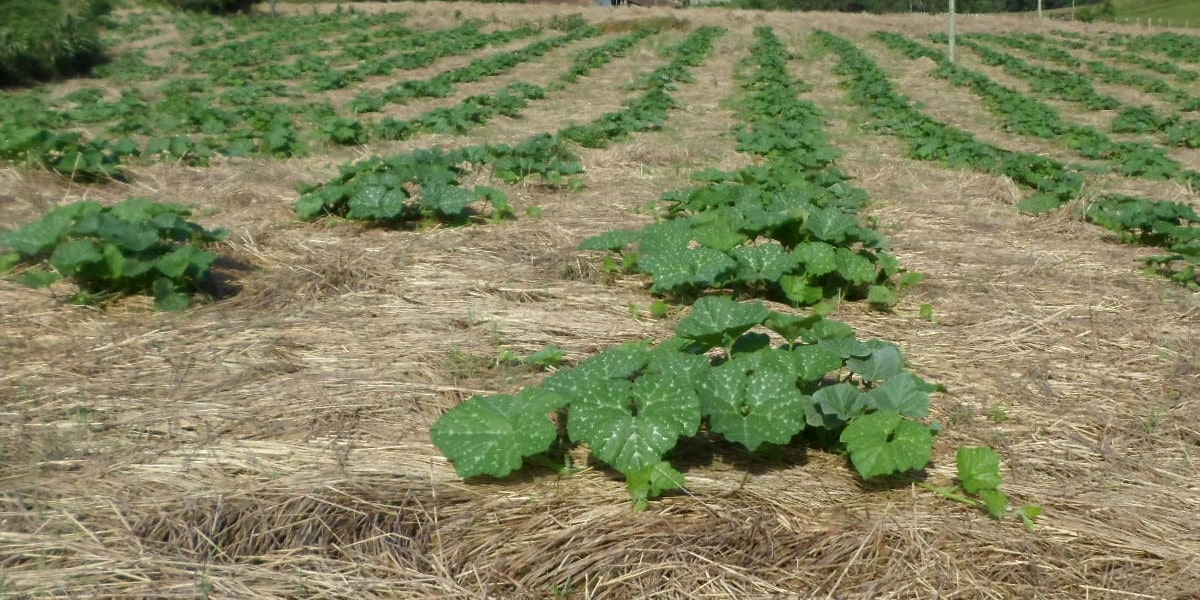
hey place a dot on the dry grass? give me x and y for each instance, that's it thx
(275, 444)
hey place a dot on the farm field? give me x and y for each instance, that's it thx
(397, 196)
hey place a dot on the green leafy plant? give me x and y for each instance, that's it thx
(787, 229)
(979, 483)
(630, 404)
(136, 246)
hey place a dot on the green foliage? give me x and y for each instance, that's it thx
(426, 184)
(43, 39)
(1172, 226)
(136, 246)
(212, 6)
(787, 229)
(632, 403)
(979, 483)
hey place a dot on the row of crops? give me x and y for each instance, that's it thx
(787, 228)
(1171, 226)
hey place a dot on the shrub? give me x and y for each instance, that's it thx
(215, 7)
(43, 39)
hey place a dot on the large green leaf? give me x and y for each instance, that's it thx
(790, 327)
(40, 237)
(753, 400)
(73, 256)
(176, 263)
(680, 268)
(884, 442)
(818, 258)
(718, 320)
(854, 267)
(377, 202)
(631, 427)
(491, 435)
(814, 361)
(446, 200)
(764, 262)
(842, 400)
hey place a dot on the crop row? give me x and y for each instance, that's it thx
(1175, 232)
(383, 189)
(786, 229)
(192, 124)
(1133, 159)
(718, 376)
(928, 139)
(1028, 116)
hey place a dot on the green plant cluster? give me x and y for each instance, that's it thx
(1172, 226)
(442, 84)
(428, 184)
(720, 375)
(1125, 214)
(235, 103)
(1028, 116)
(43, 39)
(509, 100)
(216, 7)
(1179, 46)
(1165, 67)
(1040, 46)
(1054, 83)
(135, 247)
(928, 139)
(786, 229)
(648, 111)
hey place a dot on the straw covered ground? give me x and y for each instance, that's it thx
(275, 444)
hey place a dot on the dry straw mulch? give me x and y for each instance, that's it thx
(275, 444)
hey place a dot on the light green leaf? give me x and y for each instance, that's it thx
(854, 267)
(651, 482)
(996, 502)
(882, 296)
(842, 400)
(765, 262)
(611, 241)
(830, 224)
(800, 291)
(978, 468)
(39, 278)
(884, 442)
(8, 261)
(175, 264)
(446, 200)
(1038, 204)
(790, 327)
(491, 435)
(814, 361)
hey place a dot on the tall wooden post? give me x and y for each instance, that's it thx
(951, 31)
